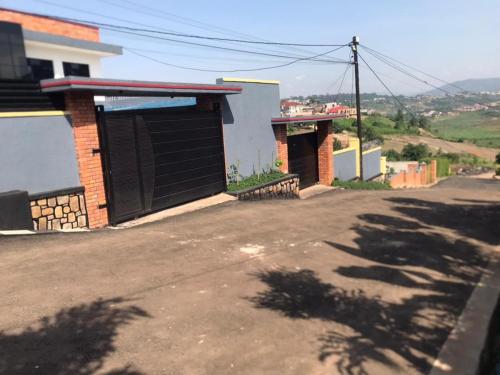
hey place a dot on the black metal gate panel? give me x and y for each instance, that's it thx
(155, 159)
(303, 157)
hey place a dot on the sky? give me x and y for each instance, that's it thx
(450, 39)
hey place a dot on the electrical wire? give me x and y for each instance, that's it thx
(386, 87)
(341, 83)
(162, 14)
(415, 69)
(394, 66)
(230, 49)
(79, 10)
(232, 70)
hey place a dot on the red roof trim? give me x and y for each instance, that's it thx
(280, 120)
(139, 85)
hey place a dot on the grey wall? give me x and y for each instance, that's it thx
(344, 165)
(248, 134)
(37, 154)
(371, 164)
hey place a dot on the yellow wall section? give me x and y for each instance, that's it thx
(249, 80)
(33, 114)
(383, 164)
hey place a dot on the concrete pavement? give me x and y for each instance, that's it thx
(343, 282)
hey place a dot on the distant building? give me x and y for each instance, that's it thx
(342, 110)
(472, 108)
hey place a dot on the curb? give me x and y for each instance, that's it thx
(461, 353)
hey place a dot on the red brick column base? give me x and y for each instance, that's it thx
(82, 108)
(281, 146)
(325, 152)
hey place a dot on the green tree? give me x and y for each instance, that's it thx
(400, 124)
(415, 152)
(399, 116)
(423, 122)
(497, 158)
(370, 134)
(392, 155)
(413, 122)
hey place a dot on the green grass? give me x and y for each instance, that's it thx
(362, 185)
(481, 128)
(254, 180)
(381, 125)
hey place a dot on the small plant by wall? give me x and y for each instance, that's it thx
(362, 185)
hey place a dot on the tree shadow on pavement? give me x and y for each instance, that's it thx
(76, 340)
(478, 219)
(437, 271)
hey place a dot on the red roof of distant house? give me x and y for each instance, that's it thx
(289, 103)
(337, 109)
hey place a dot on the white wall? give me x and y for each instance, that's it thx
(60, 54)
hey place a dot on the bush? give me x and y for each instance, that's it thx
(392, 155)
(254, 180)
(370, 134)
(415, 152)
(337, 145)
(362, 185)
(497, 158)
(497, 172)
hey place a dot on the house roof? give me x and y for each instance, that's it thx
(297, 119)
(290, 103)
(115, 87)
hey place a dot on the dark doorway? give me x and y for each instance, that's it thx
(159, 158)
(303, 157)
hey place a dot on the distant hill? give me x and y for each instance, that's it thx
(475, 85)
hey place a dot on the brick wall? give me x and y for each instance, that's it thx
(281, 146)
(325, 152)
(50, 25)
(82, 108)
(414, 177)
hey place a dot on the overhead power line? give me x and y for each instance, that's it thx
(386, 87)
(411, 67)
(195, 36)
(233, 70)
(127, 21)
(162, 14)
(131, 31)
(404, 71)
(342, 82)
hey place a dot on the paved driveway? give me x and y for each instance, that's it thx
(344, 282)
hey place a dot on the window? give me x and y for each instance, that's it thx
(41, 69)
(74, 69)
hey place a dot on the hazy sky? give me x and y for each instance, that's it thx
(452, 39)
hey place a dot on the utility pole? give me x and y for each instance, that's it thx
(354, 48)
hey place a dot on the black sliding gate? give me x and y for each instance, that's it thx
(159, 158)
(303, 157)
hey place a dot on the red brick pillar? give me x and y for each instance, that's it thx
(423, 174)
(281, 146)
(325, 152)
(82, 108)
(433, 171)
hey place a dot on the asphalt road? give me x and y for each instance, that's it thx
(345, 282)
